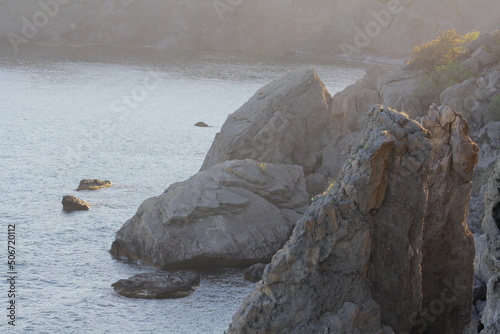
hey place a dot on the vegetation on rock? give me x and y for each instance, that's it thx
(435, 82)
(445, 49)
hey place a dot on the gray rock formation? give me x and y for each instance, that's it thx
(352, 264)
(395, 90)
(234, 213)
(491, 226)
(72, 203)
(285, 122)
(93, 184)
(448, 245)
(254, 273)
(158, 285)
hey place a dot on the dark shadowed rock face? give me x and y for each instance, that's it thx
(233, 214)
(93, 184)
(448, 245)
(352, 264)
(491, 226)
(254, 273)
(158, 285)
(285, 122)
(72, 203)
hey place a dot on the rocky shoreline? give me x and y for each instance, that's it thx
(385, 245)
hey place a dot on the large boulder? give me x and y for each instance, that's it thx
(491, 226)
(72, 203)
(157, 285)
(448, 245)
(236, 213)
(353, 262)
(285, 122)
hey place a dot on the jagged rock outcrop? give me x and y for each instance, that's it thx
(235, 213)
(491, 226)
(448, 245)
(72, 203)
(285, 122)
(394, 90)
(157, 285)
(352, 264)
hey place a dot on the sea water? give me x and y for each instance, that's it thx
(126, 116)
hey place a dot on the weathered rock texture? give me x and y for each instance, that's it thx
(285, 122)
(352, 264)
(448, 245)
(254, 273)
(491, 226)
(72, 203)
(94, 184)
(157, 285)
(234, 213)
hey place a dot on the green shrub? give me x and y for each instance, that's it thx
(434, 83)
(447, 48)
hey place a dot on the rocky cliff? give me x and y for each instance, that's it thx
(491, 226)
(385, 250)
(315, 27)
(353, 262)
(448, 245)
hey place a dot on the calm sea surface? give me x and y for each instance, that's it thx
(126, 116)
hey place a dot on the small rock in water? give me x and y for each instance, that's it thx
(201, 125)
(254, 273)
(158, 285)
(93, 184)
(72, 203)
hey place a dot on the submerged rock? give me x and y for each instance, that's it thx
(157, 285)
(491, 226)
(236, 213)
(93, 184)
(72, 203)
(201, 125)
(448, 245)
(352, 264)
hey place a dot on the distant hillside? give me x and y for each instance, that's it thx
(386, 27)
